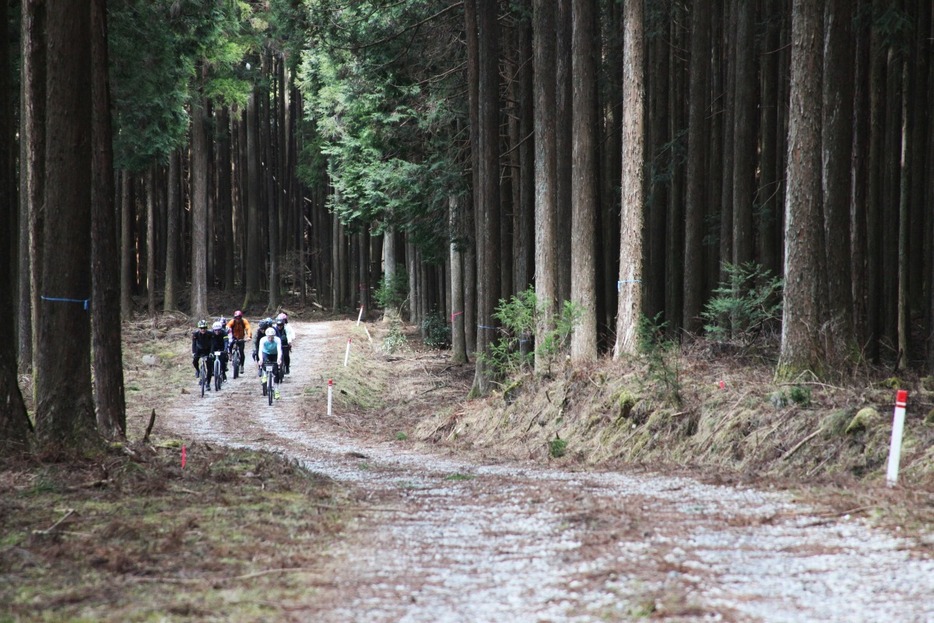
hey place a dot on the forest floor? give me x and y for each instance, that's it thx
(613, 493)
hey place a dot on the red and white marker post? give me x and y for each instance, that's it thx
(898, 429)
(347, 353)
(330, 394)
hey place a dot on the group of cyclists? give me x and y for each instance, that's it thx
(272, 342)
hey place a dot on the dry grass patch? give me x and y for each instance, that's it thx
(231, 536)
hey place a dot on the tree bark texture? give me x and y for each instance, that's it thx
(546, 234)
(65, 417)
(109, 392)
(584, 180)
(14, 423)
(629, 287)
(32, 172)
(488, 204)
(199, 212)
(836, 149)
(802, 327)
(171, 234)
(696, 169)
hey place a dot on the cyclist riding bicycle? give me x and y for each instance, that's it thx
(285, 336)
(270, 349)
(219, 344)
(239, 330)
(264, 324)
(201, 342)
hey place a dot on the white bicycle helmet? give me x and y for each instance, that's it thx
(270, 332)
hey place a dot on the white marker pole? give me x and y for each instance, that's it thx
(330, 392)
(347, 353)
(360, 315)
(898, 428)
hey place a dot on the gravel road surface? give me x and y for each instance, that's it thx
(441, 538)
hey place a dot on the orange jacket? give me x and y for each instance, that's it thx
(240, 330)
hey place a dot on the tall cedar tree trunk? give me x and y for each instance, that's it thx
(127, 247)
(611, 157)
(341, 241)
(584, 180)
(928, 173)
(109, 391)
(890, 197)
(664, 218)
(171, 234)
(458, 338)
(267, 137)
(546, 235)
(363, 269)
(696, 168)
(860, 179)
(874, 189)
(488, 216)
(199, 210)
(919, 129)
(412, 270)
(513, 167)
(151, 240)
(65, 406)
(335, 261)
(658, 117)
(836, 148)
(769, 178)
(390, 263)
(563, 146)
(210, 177)
(32, 172)
(254, 259)
(524, 228)
(729, 105)
(717, 120)
(224, 197)
(523, 242)
(286, 223)
(14, 423)
(801, 346)
(744, 134)
(902, 311)
(629, 312)
(472, 257)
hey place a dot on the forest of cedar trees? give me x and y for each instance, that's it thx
(641, 160)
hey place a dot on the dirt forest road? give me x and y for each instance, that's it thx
(445, 539)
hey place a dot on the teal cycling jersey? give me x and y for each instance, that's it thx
(270, 347)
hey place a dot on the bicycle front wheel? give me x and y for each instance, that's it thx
(203, 376)
(269, 390)
(218, 373)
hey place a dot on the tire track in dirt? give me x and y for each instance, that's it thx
(448, 540)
